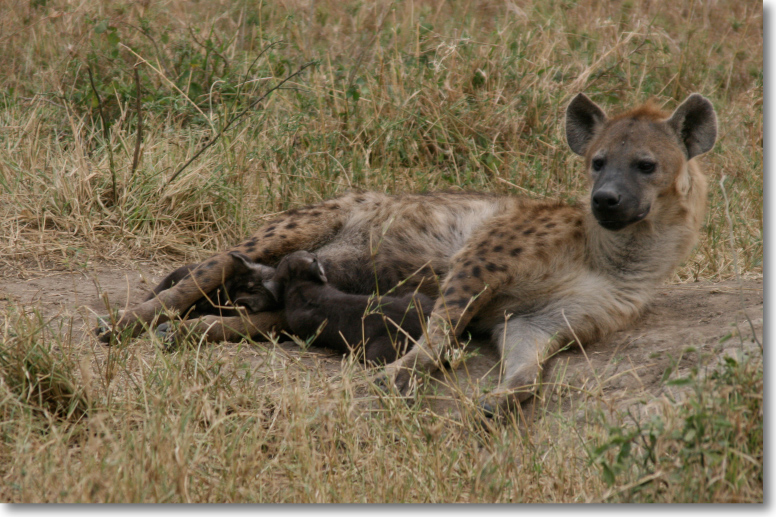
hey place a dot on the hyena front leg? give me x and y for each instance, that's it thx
(468, 287)
(301, 229)
(524, 345)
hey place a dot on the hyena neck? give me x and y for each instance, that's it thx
(648, 252)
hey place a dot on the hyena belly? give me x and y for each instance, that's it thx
(405, 240)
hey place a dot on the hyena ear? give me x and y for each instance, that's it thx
(695, 123)
(274, 288)
(583, 119)
(316, 270)
(243, 265)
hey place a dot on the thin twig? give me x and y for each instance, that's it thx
(235, 118)
(253, 63)
(105, 134)
(248, 72)
(139, 138)
(171, 83)
(153, 42)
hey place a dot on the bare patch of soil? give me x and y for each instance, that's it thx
(688, 325)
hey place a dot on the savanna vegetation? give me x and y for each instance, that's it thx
(165, 131)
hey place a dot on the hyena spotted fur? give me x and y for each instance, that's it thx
(536, 275)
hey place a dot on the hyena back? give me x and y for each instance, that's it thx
(534, 274)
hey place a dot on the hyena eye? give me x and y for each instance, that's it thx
(646, 167)
(598, 164)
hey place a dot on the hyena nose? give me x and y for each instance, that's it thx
(606, 199)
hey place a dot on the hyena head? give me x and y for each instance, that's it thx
(296, 266)
(246, 287)
(640, 156)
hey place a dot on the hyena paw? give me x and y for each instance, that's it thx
(165, 332)
(116, 326)
(498, 405)
(488, 414)
(489, 410)
(398, 379)
(172, 335)
(106, 330)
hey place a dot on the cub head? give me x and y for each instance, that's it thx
(637, 157)
(246, 287)
(296, 266)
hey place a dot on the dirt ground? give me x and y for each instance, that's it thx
(688, 325)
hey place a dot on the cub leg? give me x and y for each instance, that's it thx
(170, 280)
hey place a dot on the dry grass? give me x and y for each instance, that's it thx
(405, 96)
(207, 425)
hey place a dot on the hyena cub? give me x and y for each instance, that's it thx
(387, 326)
(245, 288)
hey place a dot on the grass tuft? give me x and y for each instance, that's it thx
(35, 375)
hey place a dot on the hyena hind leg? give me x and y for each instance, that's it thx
(214, 329)
(298, 229)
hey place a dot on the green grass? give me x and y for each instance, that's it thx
(404, 96)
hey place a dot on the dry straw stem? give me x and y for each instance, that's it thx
(105, 134)
(735, 261)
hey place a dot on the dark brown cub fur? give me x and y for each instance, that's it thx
(382, 324)
(244, 289)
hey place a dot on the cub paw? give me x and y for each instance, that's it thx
(169, 336)
(103, 330)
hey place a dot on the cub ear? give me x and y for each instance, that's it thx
(274, 288)
(242, 265)
(695, 123)
(316, 270)
(583, 119)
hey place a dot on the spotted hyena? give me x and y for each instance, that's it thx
(534, 274)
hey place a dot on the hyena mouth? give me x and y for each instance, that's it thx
(620, 224)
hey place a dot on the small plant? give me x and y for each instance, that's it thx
(710, 447)
(38, 377)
